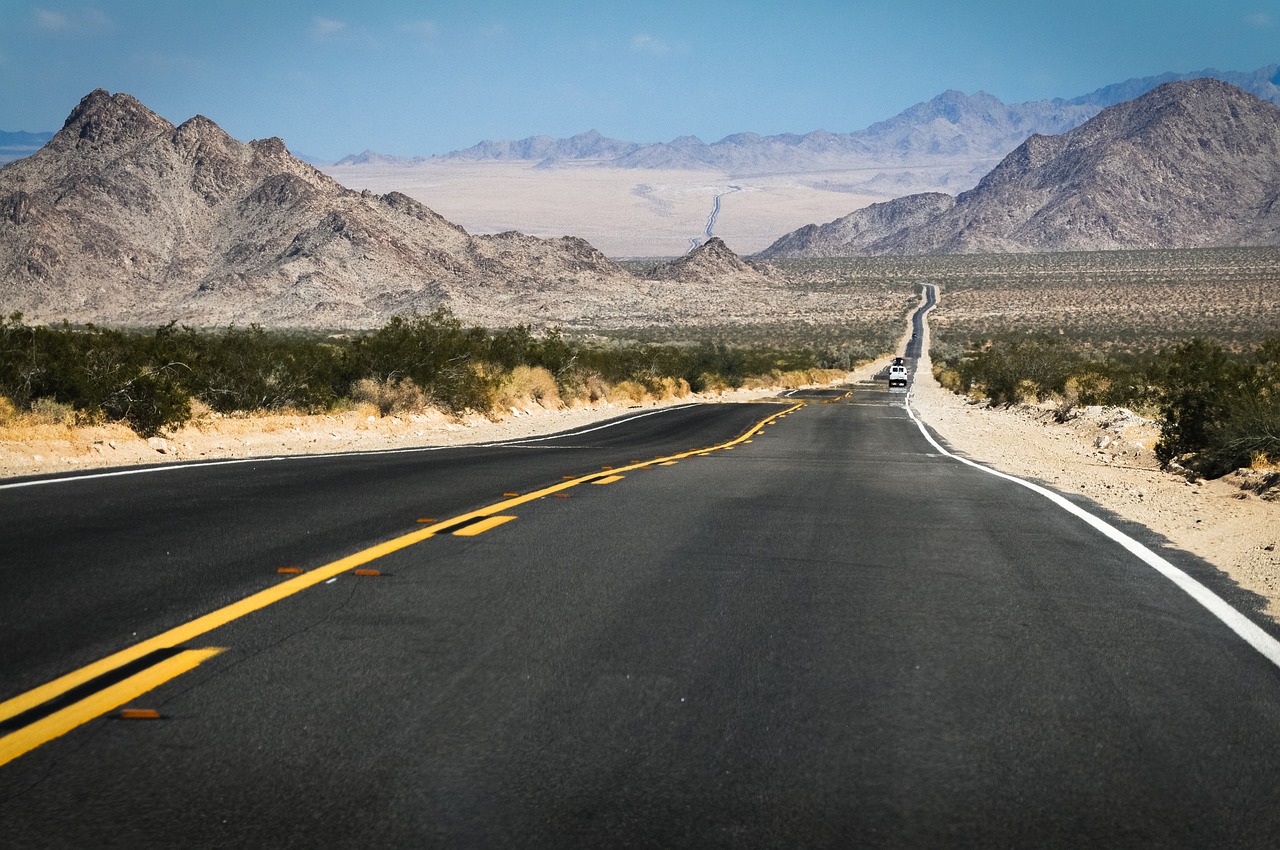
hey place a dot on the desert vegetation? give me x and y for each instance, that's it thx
(1190, 338)
(157, 380)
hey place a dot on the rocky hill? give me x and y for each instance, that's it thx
(709, 263)
(1188, 164)
(124, 218)
(856, 234)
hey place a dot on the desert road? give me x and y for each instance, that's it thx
(786, 624)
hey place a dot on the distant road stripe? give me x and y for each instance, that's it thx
(78, 713)
(1245, 628)
(187, 632)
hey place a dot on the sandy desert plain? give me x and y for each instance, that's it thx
(634, 212)
(1105, 302)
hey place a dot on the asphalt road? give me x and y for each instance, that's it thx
(825, 635)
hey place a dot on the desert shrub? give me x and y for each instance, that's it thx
(153, 401)
(1091, 387)
(668, 387)
(524, 384)
(1219, 410)
(152, 380)
(435, 352)
(49, 411)
(98, 373)
(397, 396)
(710, 382)
(628, 391)
(1005, 371)
(251, 369)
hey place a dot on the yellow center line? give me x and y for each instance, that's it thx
(64, 720)
(193, 629)
(608, 480)
(482, 526)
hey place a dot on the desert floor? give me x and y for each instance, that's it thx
(624, 212)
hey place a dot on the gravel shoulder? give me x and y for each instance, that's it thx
(1106, 455)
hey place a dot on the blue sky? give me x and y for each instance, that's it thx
(428, 77)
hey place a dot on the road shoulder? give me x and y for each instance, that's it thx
(1105, 455)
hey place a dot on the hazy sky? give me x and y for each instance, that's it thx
(429, 77)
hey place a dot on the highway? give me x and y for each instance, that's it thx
(795, 623)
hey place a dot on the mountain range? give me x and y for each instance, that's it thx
(123, 218)
(123, 214)
(1187, 164)
(951, 127)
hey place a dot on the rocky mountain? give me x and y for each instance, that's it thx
(124, 217)
(976, 130)
(858, 232)
(1188, 164)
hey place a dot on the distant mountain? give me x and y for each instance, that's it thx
(977, 129)
(123, 218)
(589, 145)
(1263, 83)
(1187, 164)
(374, 158)
(17, 145)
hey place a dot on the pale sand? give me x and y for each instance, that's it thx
(623, 212)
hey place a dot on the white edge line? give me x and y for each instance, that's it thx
(1245, 628)
(174, 467)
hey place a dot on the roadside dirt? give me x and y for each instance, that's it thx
(35, 450)
(1106, 454)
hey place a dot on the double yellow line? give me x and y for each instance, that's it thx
(54, 720)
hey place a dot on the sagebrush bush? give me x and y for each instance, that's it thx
(526, 384)
(388, 397)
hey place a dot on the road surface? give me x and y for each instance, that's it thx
(759, 628)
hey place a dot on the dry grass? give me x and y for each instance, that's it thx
(526, 385)
(794, 379)
(387, 397)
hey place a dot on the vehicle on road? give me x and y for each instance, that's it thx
(897, 376)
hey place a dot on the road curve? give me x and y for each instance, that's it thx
(821, 632)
